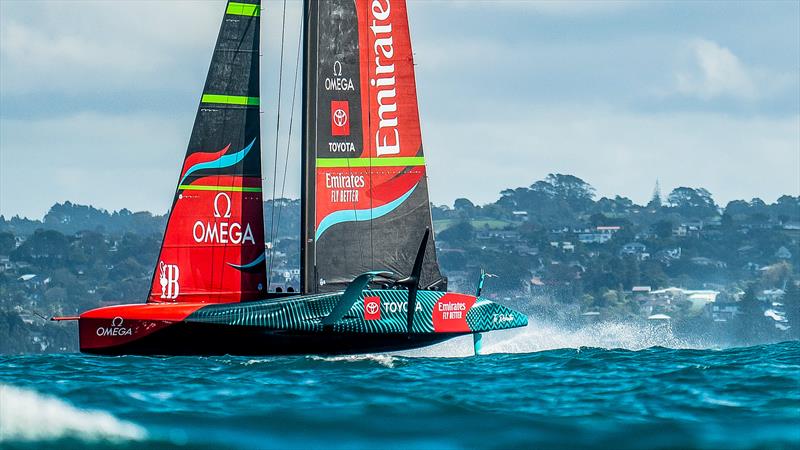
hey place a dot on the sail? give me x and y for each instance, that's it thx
(213, 248)
(366, 205)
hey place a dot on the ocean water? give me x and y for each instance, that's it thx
(604, 386)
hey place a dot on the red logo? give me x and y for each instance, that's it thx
(450, 313)
(372, 308)
(340, 118)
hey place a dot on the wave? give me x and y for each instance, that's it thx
(385, 360)
(26, 415)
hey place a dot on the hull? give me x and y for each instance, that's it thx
(376, 322)
(210, 339)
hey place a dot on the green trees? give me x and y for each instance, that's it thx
(7, 242)
(751, 323)
(460, 233)
(693, 203)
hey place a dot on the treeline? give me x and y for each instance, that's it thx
(555, 239)
(79, 257)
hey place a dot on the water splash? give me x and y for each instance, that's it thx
(26, 415)
(542, 336)
(382, 359)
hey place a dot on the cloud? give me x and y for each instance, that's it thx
(110, 161)
(618, 99)
(549, 7)
(717, 72)
(100, 47)
(618, 152)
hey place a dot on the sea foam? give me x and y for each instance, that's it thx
(540, 336)
(27, 415)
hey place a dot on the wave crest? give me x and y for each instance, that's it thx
(27, 415)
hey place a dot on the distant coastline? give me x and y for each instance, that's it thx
(560, 253)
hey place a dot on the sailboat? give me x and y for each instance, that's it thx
(369, 277)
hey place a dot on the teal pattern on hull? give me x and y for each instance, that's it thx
(305, 313)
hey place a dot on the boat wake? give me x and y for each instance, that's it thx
(26, 415)
(541, 336)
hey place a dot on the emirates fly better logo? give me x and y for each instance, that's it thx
(372, 308)
(340, 118)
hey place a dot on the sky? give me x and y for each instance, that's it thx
(97, 98)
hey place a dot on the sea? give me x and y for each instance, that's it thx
(607, 385)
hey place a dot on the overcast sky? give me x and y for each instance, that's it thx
(97, 98)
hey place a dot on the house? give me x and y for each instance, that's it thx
(498, 234)
(771, 296)
(5, 263)
(672, 295)
(523, 215)
(692, 228)
(600, 235)
(667, 256)
(635, 249)
(708, 262)
(722, 311)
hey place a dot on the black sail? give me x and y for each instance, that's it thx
(366, 204)
(213, 249)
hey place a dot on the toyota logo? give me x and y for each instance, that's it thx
(372, 307)
(340, 118)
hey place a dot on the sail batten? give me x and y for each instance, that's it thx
(213, 248)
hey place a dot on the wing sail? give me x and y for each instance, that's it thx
(213, 248)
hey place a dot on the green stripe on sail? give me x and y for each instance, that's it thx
(199, 187)
(372, 162)
(243, 9)
(230, 99)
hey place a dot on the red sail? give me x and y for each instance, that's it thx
(213, 249)
(371, 204)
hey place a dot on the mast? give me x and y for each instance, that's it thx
(308, 166)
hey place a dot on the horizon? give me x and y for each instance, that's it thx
(656, 91)
(663, 194)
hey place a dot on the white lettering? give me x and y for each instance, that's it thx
(378, 11)
(385, 96)
(222, 233)
(344, 181)
(339, 84)
(341, 147)
(395, 307)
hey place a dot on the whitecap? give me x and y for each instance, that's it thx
(380, 358)
(27, 415)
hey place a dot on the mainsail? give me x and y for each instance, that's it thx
(366, 202)
(213, 248)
